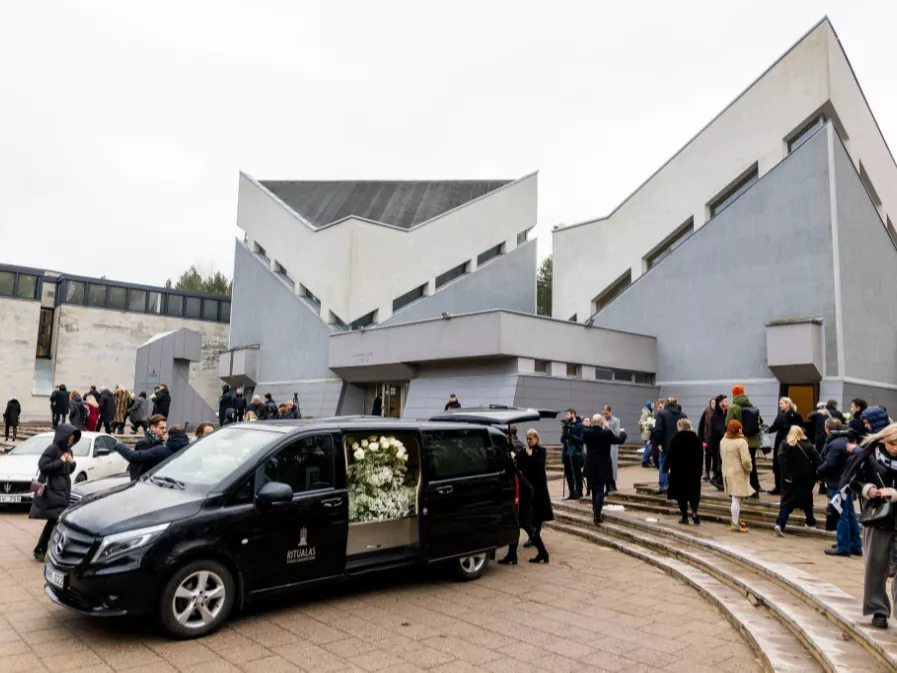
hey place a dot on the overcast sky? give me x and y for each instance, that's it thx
(124, 124)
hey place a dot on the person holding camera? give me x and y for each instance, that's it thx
(873, 474)
(837, 454)
(574, 457)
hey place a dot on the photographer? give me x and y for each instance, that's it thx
(573, 457)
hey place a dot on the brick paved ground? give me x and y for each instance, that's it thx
(591, 609)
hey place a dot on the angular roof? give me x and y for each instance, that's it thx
(402, 204)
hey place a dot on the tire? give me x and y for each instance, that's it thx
(181, 614)
(81, 478)
(468, 568)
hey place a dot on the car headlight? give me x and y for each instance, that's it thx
(120, 544)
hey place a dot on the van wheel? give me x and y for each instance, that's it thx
(197, 599)
(470, 567)
(81, 478)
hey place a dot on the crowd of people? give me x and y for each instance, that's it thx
(107, 410)
(234, 408)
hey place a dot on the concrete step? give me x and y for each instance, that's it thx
(778, 650)
(648, 489)
(760, 580)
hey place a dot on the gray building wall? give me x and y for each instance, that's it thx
(587, 397)
(874, 395)
(293, 339)
(507, 282)
(868, 264)
(767, 256)
(475, 383)
(694, 397)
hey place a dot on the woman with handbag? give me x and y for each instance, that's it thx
(873, 473)
(798, 460)
(53, 484)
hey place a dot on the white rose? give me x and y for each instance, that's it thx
(364, 443)
(359, 454)
(373, 446)
(405, 457)
(355, 446)
(384, 441)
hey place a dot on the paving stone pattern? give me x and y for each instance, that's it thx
(590, 609)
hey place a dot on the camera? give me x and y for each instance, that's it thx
(852, 435)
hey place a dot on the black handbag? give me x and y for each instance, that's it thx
(877, 511)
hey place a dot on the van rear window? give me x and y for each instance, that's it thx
(460, 453)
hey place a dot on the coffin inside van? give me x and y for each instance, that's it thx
(383, 479)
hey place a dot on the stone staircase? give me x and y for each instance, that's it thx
(793, 620)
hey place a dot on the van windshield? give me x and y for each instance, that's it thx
(210, 460)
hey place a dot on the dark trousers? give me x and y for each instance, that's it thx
(107, 424)
(118, 428)
(45, 534)
(15, 429)
(136, 425)
(683, 507)
(776, 474)
(573, 473)
(57, 419)
(785, 512)
(535, 535)
(597, 501)
(755, 480)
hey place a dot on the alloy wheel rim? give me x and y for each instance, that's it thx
(472, 564)
(199, 599)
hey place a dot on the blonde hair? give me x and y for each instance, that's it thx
(684, 424)
(790, 403)
(250, 416)
(886, 436)
(75, 392)
(598, 419)
(795, 434)
(532, 432)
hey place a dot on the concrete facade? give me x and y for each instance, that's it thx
(508, 282)
(813, 78)
(354, 282)
(18, 326)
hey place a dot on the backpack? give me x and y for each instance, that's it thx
(750, 421)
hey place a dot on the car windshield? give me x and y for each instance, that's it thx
(37, 445)
(210, 460)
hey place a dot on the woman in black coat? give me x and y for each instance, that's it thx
(11, 418)
(786, 418)
(524, 511)
(599, 465)
(531, 463)
(683, 462)
(717, 432)
(798, 461)
(55, 468)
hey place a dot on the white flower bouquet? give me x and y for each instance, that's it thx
(648, 424)
(378, 476)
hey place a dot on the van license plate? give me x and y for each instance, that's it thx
(54, 577)
(10, 498)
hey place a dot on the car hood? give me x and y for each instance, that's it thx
(136, 505)
(87, 488)
(18, 467)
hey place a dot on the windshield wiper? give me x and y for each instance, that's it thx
(168, 482)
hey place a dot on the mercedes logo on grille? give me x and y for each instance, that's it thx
(60, 543)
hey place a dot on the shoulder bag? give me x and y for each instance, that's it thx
(877, 511)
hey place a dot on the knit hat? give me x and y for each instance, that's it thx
(648, 406)
(877, 417)
(737, 390)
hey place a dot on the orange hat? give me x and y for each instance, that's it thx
(737, 390)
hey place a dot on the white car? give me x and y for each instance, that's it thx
(94, 459)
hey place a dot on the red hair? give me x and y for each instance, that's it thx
(734, 428)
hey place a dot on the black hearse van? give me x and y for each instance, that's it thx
(255, 509)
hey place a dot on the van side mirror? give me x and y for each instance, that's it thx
(273, 494)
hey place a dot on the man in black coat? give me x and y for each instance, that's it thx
(832, 470)
(106, 402)
(857, 407)
(225, 402)
(163, 401)
(150, 449)
(240, 405)
(271, 409)
(785, 419)
(666, 427)
(832, 408)
(599, 465)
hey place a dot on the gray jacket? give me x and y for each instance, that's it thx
(138, 410)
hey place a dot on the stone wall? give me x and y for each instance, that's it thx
(98, 346)
(18, 330)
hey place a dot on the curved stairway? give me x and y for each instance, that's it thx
(793, 620)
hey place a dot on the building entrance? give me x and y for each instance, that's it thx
(804, 396)
(391, 398)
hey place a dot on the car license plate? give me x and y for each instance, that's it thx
(54, 577)
(10, 498)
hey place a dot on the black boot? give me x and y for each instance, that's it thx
(510, 559)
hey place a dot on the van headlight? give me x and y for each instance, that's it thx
(121, 544)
